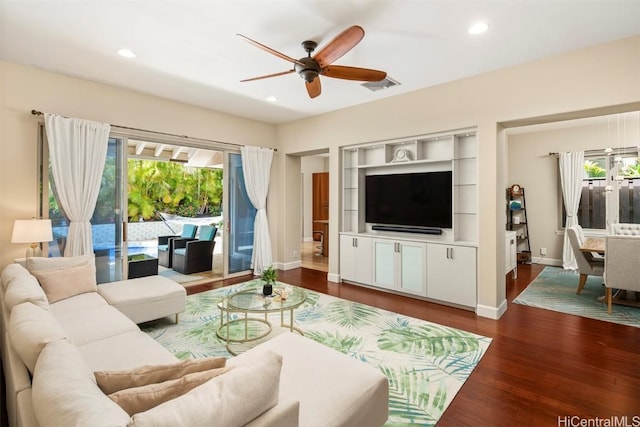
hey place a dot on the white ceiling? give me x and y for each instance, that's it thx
(188, 50)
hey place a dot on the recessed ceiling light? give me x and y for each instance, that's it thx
(126, 53)
(478, 28)
(272, 99)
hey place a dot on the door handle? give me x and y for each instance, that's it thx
(355, 242)
(124, 231)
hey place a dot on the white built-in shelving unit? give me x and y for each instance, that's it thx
(391, 260)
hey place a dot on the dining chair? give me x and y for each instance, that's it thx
(586, 267)
(165, 244)
(621, 265)
(193, 256)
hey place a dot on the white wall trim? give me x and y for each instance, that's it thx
(288, 265)
(494, 313)
(547, 261)
(332, 277)
(307, 239)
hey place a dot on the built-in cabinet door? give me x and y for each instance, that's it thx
(355, 259)
(400, 265)
(463, 275)
(438, 276)
(411, 272)
(451, 274)
(384, 261)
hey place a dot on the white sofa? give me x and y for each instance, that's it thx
(76, 336)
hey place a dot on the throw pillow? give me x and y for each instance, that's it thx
(66, 282)
(42, 263)
(30, 329)
(26, 289)
(232, 399)
(140, 399)
(113, 381)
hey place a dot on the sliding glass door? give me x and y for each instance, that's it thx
(138, 202)
(239, 218)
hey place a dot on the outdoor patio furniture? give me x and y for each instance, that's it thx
(193, 256)
(165, 244)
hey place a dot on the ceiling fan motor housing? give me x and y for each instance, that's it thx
(309, 70)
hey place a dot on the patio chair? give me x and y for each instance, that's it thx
(586, 266)
(194, 256)
(165, 244)
(621, 265)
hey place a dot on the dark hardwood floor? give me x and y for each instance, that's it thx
(540, 366)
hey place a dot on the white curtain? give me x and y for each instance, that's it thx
(571, 173)
(77, 149)
(256, 166)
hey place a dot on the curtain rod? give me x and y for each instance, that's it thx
(593, 152)
(39, 113)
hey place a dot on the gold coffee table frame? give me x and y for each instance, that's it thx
(251, 301)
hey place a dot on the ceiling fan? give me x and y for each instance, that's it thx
(311, 67)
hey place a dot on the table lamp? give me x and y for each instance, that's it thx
(33, 231)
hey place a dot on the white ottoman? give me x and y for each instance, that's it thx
(145, 298)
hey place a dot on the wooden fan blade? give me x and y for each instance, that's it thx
(343, 43)
(271, 51)
(314, 88)
(353, 73)
(268, 75)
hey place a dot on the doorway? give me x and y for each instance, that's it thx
(314, 253)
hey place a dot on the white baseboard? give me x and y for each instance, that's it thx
(494, 313)
(288, 265)
(547, 261)
(334, 278)
(307, 239)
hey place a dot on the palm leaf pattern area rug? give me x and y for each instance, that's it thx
(555, 289)
(426, 363)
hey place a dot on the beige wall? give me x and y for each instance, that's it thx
(601, 76)
(26, 88)
(531, 166)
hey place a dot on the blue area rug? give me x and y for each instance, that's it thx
(555, 289)
(426, 363)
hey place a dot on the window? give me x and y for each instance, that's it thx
(610, 189)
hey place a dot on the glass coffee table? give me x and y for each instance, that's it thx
(242, 330)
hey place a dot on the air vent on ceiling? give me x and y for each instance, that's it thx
(382, 84)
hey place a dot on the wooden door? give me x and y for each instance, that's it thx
(320, 183)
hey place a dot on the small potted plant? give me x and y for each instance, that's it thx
(269, 276)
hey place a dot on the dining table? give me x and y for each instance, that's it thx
(593, 245)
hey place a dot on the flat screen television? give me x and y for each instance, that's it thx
(413, 199)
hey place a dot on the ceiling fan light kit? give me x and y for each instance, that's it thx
(310, 68)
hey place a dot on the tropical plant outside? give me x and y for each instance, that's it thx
(595, 169)
(155, 187)
(172, 188)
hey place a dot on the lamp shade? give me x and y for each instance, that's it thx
(32, 231)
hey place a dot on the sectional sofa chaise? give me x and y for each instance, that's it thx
(55, 345)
